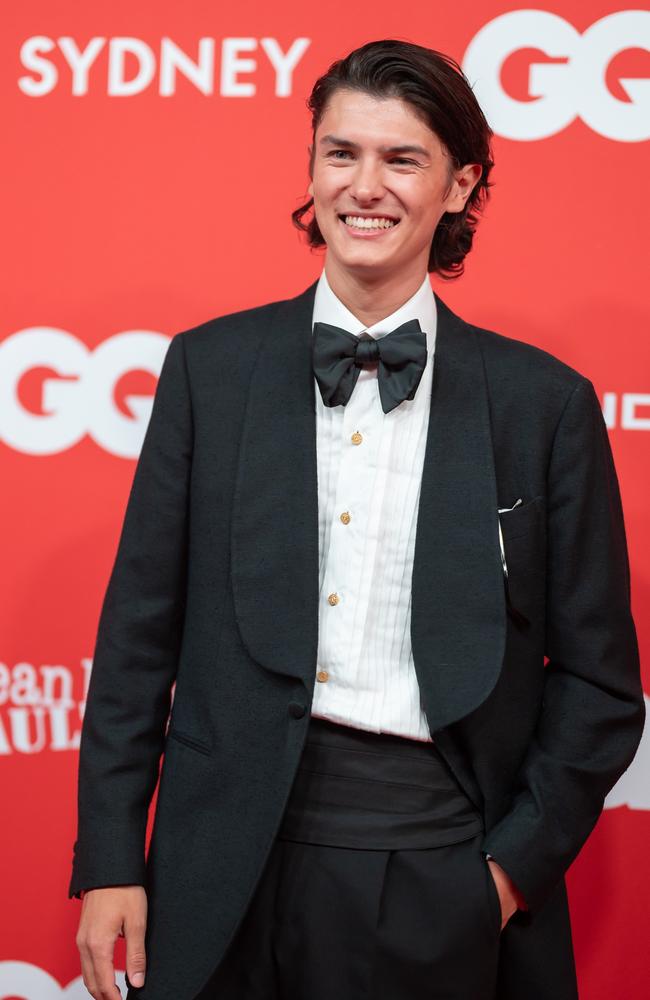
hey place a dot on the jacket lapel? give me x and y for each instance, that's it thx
(458, 609)
(274, 528)
(458, 618)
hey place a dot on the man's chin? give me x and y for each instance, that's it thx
(362, 262)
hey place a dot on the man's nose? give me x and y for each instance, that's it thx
(367, 183)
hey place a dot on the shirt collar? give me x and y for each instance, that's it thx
(421, 306)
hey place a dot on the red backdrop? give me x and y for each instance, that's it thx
(154, 152)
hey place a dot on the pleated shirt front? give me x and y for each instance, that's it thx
(369, 474)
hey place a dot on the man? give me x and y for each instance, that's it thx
(357, 527)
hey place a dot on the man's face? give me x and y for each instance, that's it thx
(358, 173)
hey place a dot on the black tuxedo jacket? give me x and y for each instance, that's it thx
(215, 589)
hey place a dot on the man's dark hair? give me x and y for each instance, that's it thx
(440, 94)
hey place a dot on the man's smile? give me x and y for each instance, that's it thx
(366, 226)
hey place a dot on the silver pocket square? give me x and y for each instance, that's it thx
(520, 619)
(503, 510)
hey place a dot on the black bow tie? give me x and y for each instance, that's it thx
(338, 357)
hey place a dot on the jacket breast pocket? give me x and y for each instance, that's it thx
(526, 520)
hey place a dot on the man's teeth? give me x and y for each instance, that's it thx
(358, 222)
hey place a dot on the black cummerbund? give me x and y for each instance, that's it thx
(376, 791)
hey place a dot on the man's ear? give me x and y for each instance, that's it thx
(463, 184)
(310, 189)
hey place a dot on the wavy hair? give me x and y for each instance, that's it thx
(440, 94)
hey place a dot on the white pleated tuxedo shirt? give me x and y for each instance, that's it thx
(369, 475)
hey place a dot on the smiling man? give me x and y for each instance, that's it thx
(380, 552)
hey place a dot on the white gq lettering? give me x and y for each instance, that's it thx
(563, 92)
(633, 405)
(79, 400)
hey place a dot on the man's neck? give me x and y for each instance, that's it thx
(371, 302)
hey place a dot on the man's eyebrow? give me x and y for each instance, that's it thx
(333, 140)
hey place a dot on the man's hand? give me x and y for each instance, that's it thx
(509, 896)
(106, 914)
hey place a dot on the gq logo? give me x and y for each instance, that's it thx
(563, 91)
(78, 391)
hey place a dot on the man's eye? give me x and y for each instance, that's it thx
(395, 159)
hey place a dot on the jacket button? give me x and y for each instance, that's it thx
(296, 709)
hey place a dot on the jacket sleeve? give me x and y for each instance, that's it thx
(137, 647)
(592, 710)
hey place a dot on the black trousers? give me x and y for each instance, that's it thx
(375, 886)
